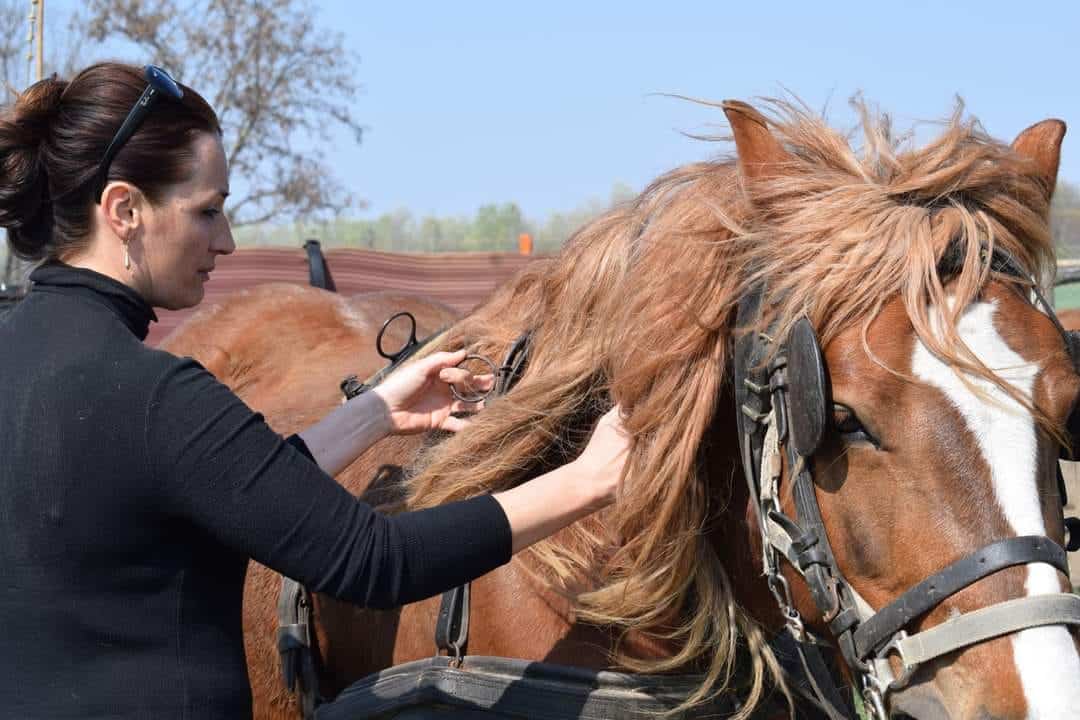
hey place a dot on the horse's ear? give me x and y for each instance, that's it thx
(1041, 144)
(760, 153)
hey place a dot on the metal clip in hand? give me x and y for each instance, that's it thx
(477, 395)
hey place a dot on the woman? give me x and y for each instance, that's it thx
(134, 487)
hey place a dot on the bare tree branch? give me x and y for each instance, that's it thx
(279, 84)
(13, 47)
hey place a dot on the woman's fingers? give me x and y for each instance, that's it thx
(459, 406)
(484, 381)
(613, 419)
(454, 375)
(606, 454)
(468, 386)
(454, 424)
(443, 359)
(610, 441)
(457, 375)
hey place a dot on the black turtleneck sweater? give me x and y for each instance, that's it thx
(134, 488)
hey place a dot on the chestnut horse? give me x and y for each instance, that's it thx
(947, 393)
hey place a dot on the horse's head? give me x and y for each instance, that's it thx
(910, 469)
(931, 434)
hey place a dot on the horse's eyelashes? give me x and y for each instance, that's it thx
(844, 419)
(848, 426)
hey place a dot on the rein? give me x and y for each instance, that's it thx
(782, 408)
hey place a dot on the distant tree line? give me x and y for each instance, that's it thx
(496, 227)
(493, 228)
(1065, 220)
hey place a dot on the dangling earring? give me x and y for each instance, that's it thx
(127, 257)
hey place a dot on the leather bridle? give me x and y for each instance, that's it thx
(781, 403)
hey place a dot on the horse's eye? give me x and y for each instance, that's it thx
(849, 427)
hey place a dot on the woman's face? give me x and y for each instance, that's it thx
(184, 233)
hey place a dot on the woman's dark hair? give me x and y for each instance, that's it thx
(52, 140)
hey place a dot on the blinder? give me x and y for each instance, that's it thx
(807, 395)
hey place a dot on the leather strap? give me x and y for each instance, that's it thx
(318, 271)
(878, 629)
(294, 645)
(827, 696)
(513, 366)
(452, 626)
(351, 385)
(985, 623)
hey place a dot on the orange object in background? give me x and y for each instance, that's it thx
(525, 244)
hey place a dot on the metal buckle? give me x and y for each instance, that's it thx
(907, 670)
(873, 694)
(778, 585)
(456, 659)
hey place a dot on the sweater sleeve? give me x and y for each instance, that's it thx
(219, 465)
(298, 442)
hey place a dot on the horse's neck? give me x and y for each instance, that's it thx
(378, 475)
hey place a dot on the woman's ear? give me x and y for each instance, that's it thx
(122, 206)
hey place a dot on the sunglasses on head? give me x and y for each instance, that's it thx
(159, 83)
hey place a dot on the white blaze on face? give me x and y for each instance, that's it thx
(1046, 657)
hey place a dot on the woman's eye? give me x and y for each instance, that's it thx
(211, 212)
(849, 428)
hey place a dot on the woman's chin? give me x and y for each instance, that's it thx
(184, 298)
(195, 296)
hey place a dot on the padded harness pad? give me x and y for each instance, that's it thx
(503, 688)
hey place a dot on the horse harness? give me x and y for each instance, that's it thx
(782, 406)
(295, 635)
(318, 269)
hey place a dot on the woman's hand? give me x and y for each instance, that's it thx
(418, 398)
(542, 506)
(601, 462)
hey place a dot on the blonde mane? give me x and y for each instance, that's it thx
(639, 307)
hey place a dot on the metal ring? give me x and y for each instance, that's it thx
(481, 396)
(907, 670)
(392, 357)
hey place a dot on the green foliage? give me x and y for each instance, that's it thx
(494, 228)
(1067, 297)
(1065, 220)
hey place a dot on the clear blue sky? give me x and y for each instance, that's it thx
(550, 103)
